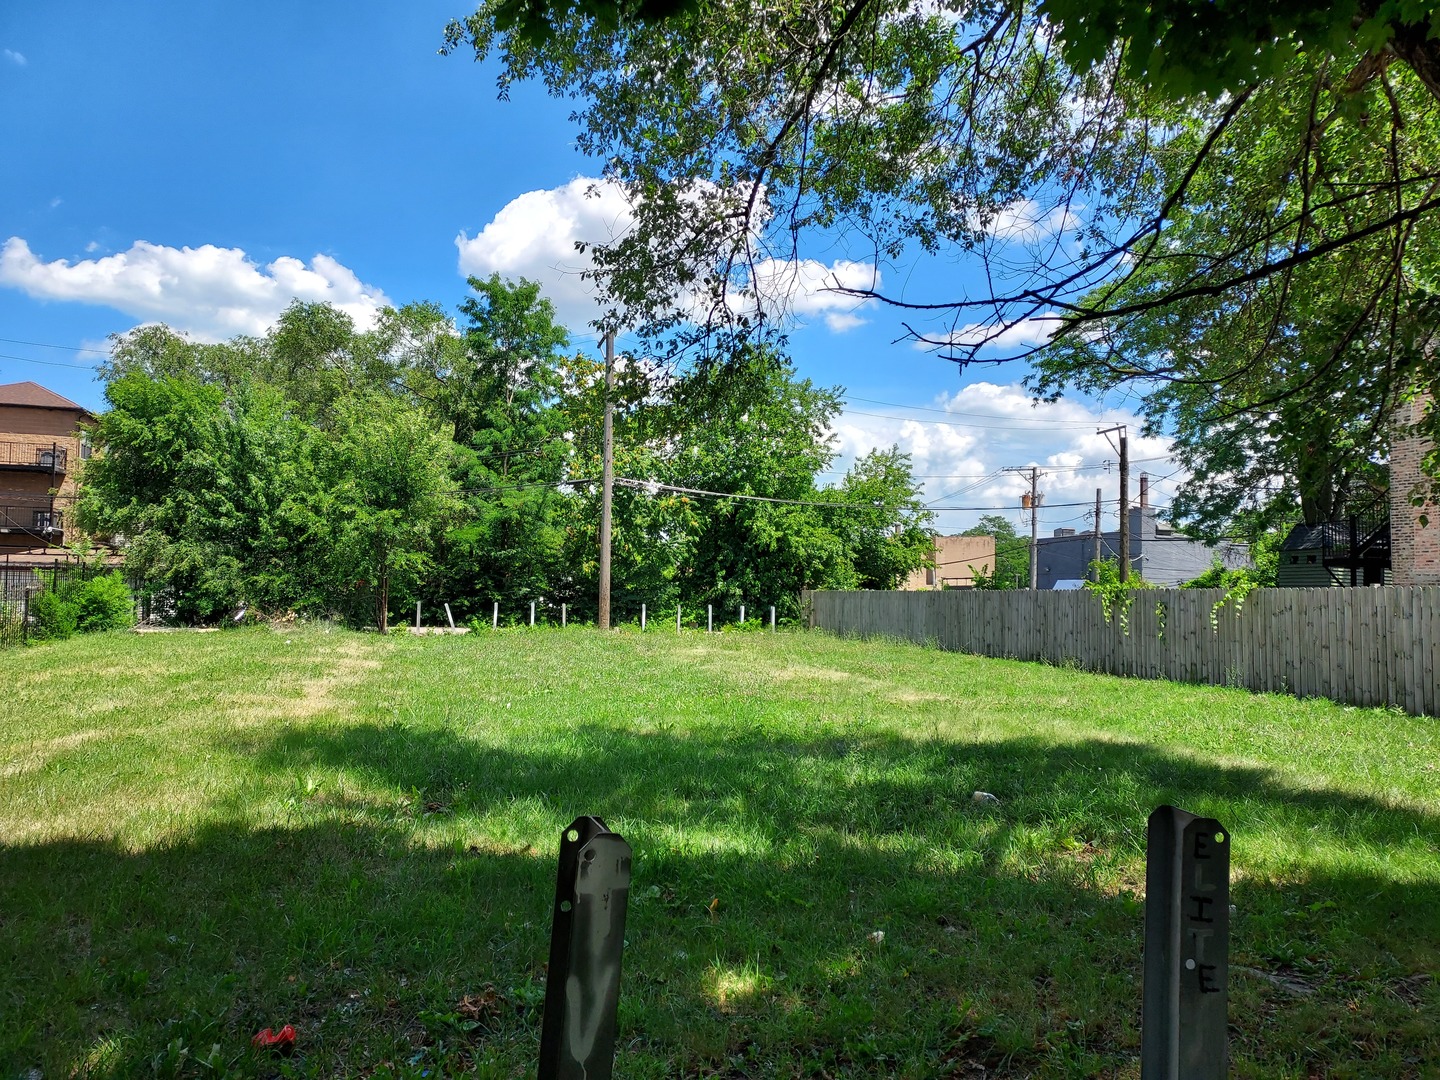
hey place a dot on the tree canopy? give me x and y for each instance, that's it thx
(325, 470)
(1230, 208)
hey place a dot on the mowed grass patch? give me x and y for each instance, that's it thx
(203, 835)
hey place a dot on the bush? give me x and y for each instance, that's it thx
(102, 603)
(53, 617)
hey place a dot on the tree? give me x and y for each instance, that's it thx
(501, 400)
(213, 496)
(389, 497)
(1012, 553)
(1119, 170)
(882, 519)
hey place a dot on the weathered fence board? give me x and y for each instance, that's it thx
(1360, 646)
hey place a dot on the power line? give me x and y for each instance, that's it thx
(47, 345)
(47, 363)
(958, 412)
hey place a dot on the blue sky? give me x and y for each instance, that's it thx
(200, 164)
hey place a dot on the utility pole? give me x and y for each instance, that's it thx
(1124, 449)
(1034, 503)
(607, 482)
(1095, 568)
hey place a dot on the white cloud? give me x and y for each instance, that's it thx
(806, 288)
(534, 236)
(1027, 222)
(16, 58)
(208, 291)
(1023, 334)
(984, 428)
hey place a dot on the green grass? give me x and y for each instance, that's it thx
(203, 835)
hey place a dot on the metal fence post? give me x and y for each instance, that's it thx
(1187, 947)
(495, 615)
(587, 938)
(642, 616)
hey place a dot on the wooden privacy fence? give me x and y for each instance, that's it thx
(1361, 646)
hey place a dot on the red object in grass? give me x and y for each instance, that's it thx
(282, 1041)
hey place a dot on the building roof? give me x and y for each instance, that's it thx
(35, 396)
(1312, 537)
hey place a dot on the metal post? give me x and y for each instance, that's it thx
(742, 614)
(417, 614)
(449, 618)
(587, 941)
(642, 616)
(495, 615)
(677, 618)
(772, 618)
(709, 618)
(25, 620)
(1187, 947)
(532, 613)
(562, 616)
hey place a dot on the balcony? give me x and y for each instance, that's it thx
(33, 457)
(32, 520)
(1360, 543)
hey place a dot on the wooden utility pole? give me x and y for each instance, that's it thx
(607, 482)
(1095, 570)
(1124, 449)
(1034, 529)
(1034, 503)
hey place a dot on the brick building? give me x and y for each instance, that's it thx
(1415, 548)
(42, 442)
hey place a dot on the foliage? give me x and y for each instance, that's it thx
(85, 602)
(502, 400)
(1264, 564)
(1012, 553)
(1229, 208)
(52, 618)
(387, 497)
(1115, 595)
(212, 493)
(890, 541)
(102, 602)
(356, 473)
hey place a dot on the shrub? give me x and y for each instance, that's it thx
(102, 603)
(53, 616)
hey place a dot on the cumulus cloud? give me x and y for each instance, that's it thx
(16, 58)
(208, 291)
(534, 236)
(806, 288)
(1027, 222)
(961, 442)
(1023, 334)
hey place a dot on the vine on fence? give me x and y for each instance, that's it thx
(1115, 595)
(1237, 592)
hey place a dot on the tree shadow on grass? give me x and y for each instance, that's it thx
(764, 868)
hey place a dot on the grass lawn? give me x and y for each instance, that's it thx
(204, 835)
